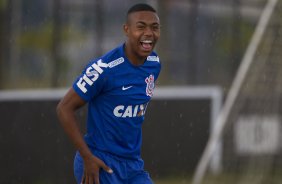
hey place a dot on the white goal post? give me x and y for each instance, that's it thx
(220, 123)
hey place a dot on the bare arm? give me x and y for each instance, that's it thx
(66, 114)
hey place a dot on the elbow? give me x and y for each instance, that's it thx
(59, 109)
(62, 113)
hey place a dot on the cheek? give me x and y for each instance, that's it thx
(136, 34)
(157, 34)
(134, 37)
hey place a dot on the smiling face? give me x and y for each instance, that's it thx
(143, 31)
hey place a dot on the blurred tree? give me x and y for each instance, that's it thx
(99, 27)
(56, 43)
(3, 7)
(8, 21)
(236, 47)
(47, 40)
(162, 46)
(14, 46)
(192, 43)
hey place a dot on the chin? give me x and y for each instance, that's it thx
(145, 55)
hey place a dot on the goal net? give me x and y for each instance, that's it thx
(249, 127)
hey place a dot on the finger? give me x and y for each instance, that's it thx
(86, 181)
(107, 168)
(83, 179)
(96, 178)
(91, 180)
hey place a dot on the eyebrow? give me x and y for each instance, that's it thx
(141, 22)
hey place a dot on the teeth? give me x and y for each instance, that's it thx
(147, 41)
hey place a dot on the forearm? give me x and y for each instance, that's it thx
(69, 123)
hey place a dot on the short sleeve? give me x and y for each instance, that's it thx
(91, 81)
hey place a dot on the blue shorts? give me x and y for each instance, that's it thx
(125, 171)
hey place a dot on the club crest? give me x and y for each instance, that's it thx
(150, 85)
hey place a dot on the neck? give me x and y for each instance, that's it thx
(133, 57)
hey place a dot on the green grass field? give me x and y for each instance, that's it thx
(248, 177)
(183, 179)
(172, 181)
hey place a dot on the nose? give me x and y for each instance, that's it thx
(148, 31)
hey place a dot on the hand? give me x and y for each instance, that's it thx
(92, 166)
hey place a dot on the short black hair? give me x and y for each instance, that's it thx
(141, 7)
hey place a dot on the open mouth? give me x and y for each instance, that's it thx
(147, 45)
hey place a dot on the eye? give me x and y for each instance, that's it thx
(155, 27)
(140, 27)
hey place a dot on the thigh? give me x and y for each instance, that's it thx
(78, 168)
(141, 177)
(118, 176)
(137, 174)
(104, 177)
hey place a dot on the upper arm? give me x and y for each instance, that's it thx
(92, 80)
(71, 101)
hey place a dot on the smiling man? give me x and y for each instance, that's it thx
(117, 88)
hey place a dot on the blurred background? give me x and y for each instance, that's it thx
(46, 44)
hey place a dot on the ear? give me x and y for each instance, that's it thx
(125, 29)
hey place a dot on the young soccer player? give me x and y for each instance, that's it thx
(117, 88)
